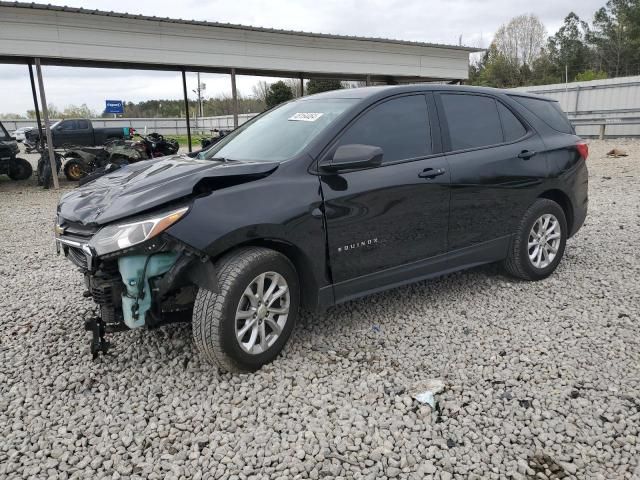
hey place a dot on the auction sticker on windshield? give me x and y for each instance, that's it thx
(305, 117)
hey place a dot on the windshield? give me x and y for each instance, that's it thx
(4, 135)
(282, 132)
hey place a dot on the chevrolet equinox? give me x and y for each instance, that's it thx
(322, 200)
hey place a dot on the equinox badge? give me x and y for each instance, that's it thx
(364, 243)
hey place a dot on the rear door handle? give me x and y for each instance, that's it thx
(526, 154)
(432, 172)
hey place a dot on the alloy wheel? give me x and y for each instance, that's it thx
(544, 240)
(262, 312)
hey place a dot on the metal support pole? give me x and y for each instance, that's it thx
(301, 86)
(602, 130)
(35, 103)
(368, 81)
(575, 107)
(234, 96)
(186, 107)
(47, 127)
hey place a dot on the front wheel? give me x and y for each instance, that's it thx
(247, 324)
(539, 242)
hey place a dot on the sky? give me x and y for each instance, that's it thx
(443, 21)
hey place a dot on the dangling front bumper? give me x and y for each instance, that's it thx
(149, 285)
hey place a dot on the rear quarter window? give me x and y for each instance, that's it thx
(548, 111)
(511, 126)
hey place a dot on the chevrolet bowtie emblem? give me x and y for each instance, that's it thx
(59, 230)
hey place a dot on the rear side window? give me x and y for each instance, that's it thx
(83, 125)
(399, 126)
(547, 111)
(511, 126)
(473, 121)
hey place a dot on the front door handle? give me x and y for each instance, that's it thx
(432, 172)
(526, 154)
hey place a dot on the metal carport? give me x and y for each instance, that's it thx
(65, 36)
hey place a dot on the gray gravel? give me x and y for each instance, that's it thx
(542, 379)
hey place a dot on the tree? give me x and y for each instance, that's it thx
(495, 70)
(322, 85)
(10, 116)
(261, 90)
(615, 35)
(294, 85)
(279, 92)
(74, 111)
(521, 40)
(544, 70)
(591, 75)
(568, 49)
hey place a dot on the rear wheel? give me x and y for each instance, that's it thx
(248, 323)
(539, 242)
(74, 170)
(19, 169)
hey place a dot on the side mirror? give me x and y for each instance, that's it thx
(347, 157)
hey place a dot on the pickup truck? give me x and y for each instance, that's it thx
(79, 131)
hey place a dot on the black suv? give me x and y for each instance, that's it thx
(322, 200)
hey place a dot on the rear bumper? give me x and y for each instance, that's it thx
(579, 216)
(580, 201)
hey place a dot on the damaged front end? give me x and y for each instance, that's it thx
(136, 273)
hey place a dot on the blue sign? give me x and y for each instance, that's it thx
(114, 106)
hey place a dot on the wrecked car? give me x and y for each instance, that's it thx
(322, 200)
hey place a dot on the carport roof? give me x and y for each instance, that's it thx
(41, 6)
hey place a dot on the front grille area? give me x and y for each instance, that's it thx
(106, 287)
(102, 294)
(78, 257)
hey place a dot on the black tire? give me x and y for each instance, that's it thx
(74, 170)
(518, 263)
(19, 169)
(214, 315)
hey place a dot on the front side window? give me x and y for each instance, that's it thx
(473, 121)
(281, 133)
(399, 126)
(67, 125)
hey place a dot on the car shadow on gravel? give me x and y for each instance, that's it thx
(172, 345)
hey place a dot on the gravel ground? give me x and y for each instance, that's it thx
(542, 379)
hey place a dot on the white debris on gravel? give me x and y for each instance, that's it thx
(426, 391)
(543, 379)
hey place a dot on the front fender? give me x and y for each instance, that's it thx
(282, 209)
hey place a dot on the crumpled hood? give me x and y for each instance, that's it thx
(143, 185)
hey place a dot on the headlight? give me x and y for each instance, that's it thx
(124, 235)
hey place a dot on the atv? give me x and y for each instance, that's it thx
(10, 164)
(82, 161)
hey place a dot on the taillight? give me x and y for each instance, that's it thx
(583, 149)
